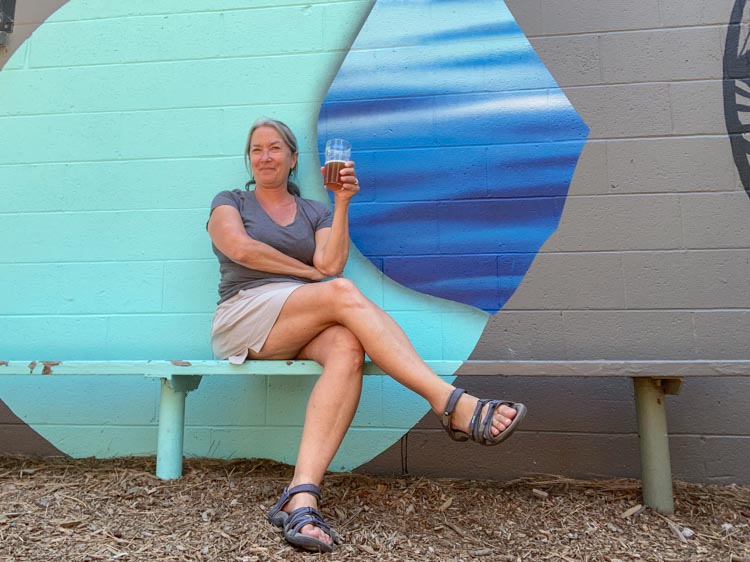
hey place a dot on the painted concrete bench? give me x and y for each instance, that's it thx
(652, 380)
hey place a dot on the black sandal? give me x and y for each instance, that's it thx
(292, 523)
(480, 429)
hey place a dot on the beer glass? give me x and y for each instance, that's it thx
(338, 151)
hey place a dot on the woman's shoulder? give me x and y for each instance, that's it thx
(233, 197)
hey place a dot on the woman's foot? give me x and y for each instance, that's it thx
(484, 421)
(307, 500)
(302, 524)
(464, 411)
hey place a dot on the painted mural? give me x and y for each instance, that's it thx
(737, 89)
(112, 151)
(467, 142)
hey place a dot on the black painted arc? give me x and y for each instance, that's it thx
(737, 70)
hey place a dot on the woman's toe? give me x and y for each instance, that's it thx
(502, 419)
(506, 412)
(317, 533)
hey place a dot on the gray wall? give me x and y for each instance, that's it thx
(651, 259)
(652, 256)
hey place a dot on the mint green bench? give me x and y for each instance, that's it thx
(652, 380)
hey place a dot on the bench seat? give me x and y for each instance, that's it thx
(653, 380)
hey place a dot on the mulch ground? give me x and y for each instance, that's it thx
(88, 510)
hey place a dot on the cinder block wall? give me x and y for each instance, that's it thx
(650, 260)
(652, 256)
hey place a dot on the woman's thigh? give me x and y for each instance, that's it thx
(307, 312)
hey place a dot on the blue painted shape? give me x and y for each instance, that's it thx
(464, 143)
(481, 275)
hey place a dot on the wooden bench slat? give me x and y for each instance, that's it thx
(606, 368)
(597, 368)
(169, 369)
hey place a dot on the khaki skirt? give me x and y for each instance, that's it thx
(244, 321)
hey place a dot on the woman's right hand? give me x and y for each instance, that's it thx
(349, 183)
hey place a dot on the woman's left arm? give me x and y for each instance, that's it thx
(332, 244)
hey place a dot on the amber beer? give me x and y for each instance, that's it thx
(337, 153)
(332, 179)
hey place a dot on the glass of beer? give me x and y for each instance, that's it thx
(338, 151)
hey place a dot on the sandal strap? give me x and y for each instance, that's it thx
(305, 516)
(287, 494)
(307, 489)
(450, 407)
(477, 425)
(309, 516)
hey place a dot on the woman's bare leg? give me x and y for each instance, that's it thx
(333, 402)
(316, 306)
(334, 324)
(330, 410)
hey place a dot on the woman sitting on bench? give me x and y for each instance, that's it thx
(280, 298)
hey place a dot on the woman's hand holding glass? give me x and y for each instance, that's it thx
(348, 184)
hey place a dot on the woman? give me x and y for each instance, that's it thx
(276, 251)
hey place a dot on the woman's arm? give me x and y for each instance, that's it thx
(332, 244)
(228, 234)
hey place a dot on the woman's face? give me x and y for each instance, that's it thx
(271, 159)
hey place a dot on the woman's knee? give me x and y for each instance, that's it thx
(345, 293)
(343, 346)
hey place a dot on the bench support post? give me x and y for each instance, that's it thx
(172, 425)
(656, 470)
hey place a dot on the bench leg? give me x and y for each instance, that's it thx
(172, 425)
(656, 470)
(171, 428)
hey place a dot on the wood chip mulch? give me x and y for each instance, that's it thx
(89, 510)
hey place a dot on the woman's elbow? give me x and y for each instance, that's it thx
(328, 269)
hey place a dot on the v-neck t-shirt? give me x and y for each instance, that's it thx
(296, 240)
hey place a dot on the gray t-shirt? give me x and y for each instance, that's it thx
(296, 240)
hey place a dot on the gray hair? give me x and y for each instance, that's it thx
(291, 141)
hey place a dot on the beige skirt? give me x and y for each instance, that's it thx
(244, 321)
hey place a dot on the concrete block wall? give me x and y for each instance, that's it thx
(650, 259)
(121, 121)
(652, 255)
(656, 219)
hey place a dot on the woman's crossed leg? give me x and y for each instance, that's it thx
(333, 323)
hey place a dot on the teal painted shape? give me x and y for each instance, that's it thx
(120, 122)
(98, 186)
(82, 288)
